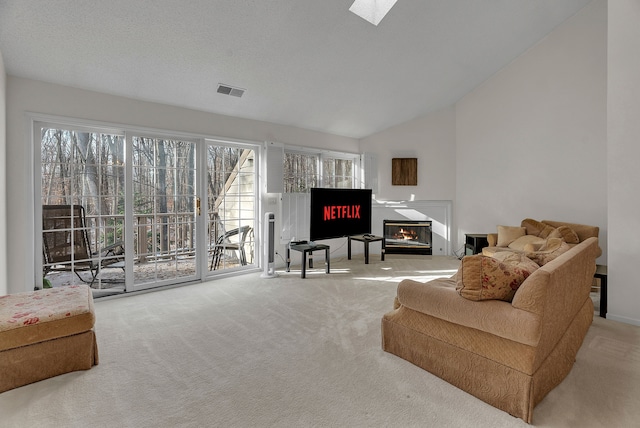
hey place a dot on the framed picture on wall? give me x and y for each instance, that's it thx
(404, 171)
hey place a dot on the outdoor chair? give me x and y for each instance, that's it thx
(66, 245)
(224, 243)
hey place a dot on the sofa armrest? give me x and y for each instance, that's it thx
(492, 239)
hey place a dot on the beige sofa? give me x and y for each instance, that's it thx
(508, 354)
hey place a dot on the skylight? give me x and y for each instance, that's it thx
(372, 10)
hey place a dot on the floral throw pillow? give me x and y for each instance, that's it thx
(489, 278)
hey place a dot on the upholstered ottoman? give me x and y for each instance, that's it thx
(46, 333)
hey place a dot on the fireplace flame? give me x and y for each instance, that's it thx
(406, 234)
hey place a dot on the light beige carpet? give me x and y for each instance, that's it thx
(287, 352)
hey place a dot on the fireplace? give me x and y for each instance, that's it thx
(406, 237)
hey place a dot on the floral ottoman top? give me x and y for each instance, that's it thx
(69, 307)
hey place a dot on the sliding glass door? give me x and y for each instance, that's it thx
(124, 210)
(231, 206)
(81, 187)
(164, 211)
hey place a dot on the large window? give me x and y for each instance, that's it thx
(304, 170)
(338, 173)
(300, 172)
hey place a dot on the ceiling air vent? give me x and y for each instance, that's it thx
(230, 90)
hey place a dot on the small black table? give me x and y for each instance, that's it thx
(474, 243)
(601, 272)
(307, 248)
(367, 239)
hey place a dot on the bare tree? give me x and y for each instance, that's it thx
(87, 167)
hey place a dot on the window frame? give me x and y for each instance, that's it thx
(323, 177)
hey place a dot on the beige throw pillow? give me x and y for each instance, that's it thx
(566, 233)
(547, 231)
(520, 243)
(551, 244)
(508, 234)
(534, 227)
(537, 228)
(551, 250)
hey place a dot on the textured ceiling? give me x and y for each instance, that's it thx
(306, 63)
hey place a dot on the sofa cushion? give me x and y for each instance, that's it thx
(37, 316)
(493, 278)
(551, 250)
(533, 227)
(551, 244)
(438, 298)
(583, 231)
(514, 257)
(566, 233)
(508, 234)
(547, 231)
(520, 243)
(537, 228)
(534, 246)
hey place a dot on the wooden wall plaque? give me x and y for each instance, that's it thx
(404, 171)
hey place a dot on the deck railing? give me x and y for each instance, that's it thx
(155, 235)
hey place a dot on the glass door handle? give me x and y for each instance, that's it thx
(198, 205)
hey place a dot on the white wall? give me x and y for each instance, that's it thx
(25, 95)
(531, 140)
(554, 135)
(431, 139)
(3, 180)
(623, 154)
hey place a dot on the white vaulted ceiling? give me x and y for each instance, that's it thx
(305, 63)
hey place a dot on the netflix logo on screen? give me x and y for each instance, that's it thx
(336, 213)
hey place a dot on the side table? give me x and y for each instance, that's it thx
(601, 273)
(367, 239)
(305, 249)
(474, 243)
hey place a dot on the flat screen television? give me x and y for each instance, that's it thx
(339, 212)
